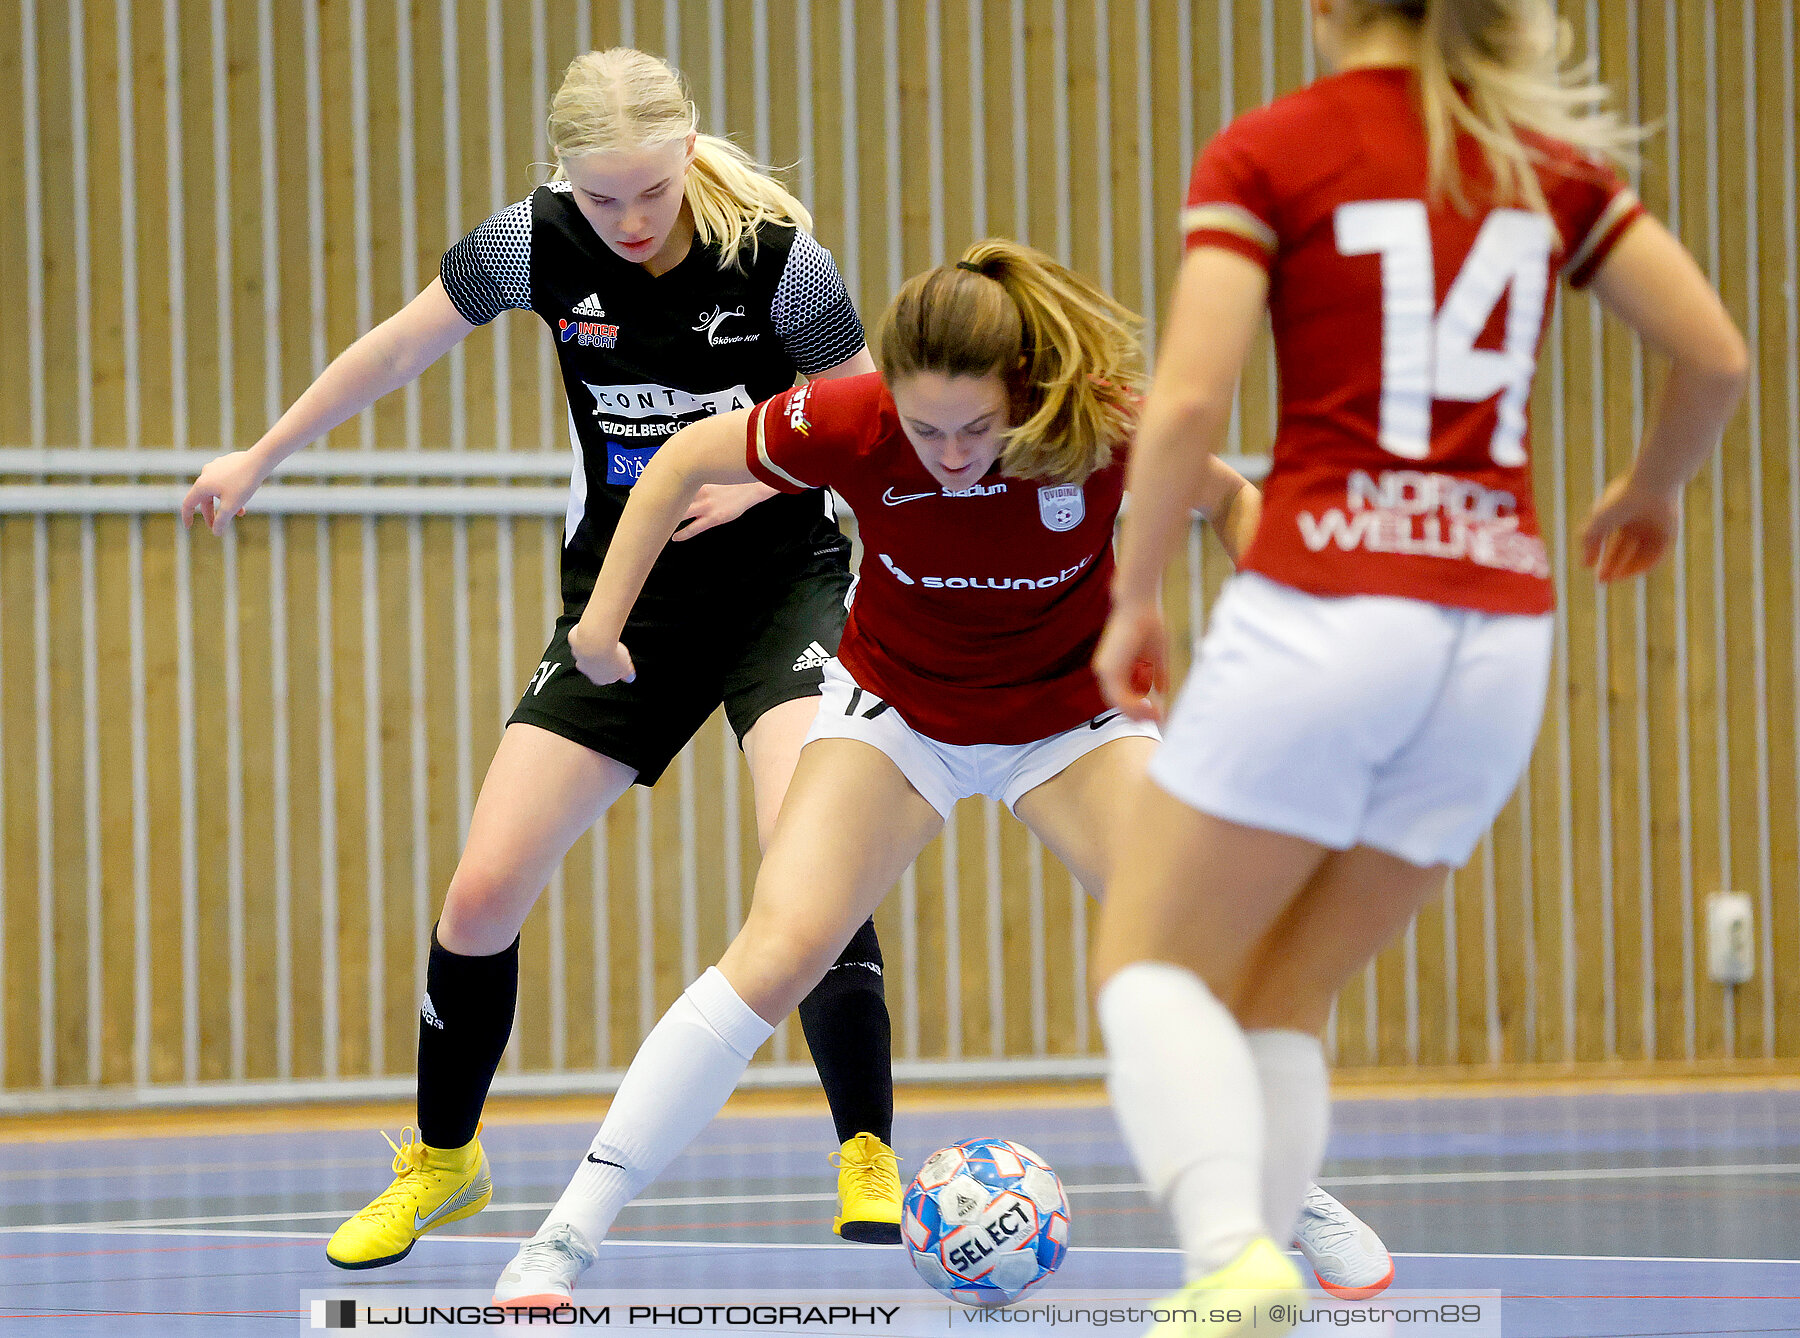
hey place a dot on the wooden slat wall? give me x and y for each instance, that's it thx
(233, 776)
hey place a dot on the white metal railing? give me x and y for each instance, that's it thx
(278, 499)
(451, 497)
(99, 461)
(290, 499)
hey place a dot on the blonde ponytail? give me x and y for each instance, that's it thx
(731, 195)
(627, 99)
(1069, 354)
(1491, 68)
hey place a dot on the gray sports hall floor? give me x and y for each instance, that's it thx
(1594, 1214)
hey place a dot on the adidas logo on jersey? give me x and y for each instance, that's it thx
(429, 1014)
(812, 657)
(590, 306)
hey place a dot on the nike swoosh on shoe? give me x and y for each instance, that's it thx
(470, 1192)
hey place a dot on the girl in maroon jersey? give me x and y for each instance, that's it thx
(984, 465)
(1372, 681)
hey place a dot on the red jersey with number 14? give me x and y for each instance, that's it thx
(1406, 332)
(976, 612)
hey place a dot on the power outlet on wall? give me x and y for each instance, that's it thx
(1730, 938)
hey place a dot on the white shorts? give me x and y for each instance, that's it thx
(1367, 720)
(946, 772)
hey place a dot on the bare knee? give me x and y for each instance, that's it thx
(1288, 1010)
(1288, 987)
(484, 910)
(775, 961)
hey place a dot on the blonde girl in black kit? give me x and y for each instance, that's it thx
(678, 281)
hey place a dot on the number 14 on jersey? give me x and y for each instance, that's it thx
(1428, 353)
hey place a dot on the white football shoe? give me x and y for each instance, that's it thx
(544, 1271)
(1344, 1251)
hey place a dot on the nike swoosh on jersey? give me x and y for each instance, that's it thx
(1101, 721)
(893, 499)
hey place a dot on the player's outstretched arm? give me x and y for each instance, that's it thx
(717, 504)
(1652, 284)
(710, 451)
(384, 359)
(1218, 306)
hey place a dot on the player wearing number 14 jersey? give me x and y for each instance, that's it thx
(1371, 683)
(1407, 335)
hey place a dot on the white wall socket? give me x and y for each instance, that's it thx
(1730, 938)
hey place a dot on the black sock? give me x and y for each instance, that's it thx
(845, 1019)
(463, 1025)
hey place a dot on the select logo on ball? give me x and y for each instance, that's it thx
(970, 1251)
(985, 1220)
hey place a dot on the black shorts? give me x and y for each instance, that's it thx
(746, 654)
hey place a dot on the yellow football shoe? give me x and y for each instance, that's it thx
(432, 1186)
(1261, 1287)
(868, 1192)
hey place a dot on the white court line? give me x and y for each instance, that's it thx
(1604, 1259)
(852, 1245)
(148, 1223)
(747, 1200)
(564, 1155)
(1568, 1173)
(642, 1244)
(711, 1152)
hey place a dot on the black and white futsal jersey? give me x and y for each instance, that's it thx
(643, 356)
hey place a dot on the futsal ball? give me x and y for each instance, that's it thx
(985, 1221)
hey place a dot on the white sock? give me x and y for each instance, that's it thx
(1185, 1090)
(680, 1077)
(1296, 1091)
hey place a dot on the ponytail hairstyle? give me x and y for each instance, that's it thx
(627, 99)
(1491, 68)
(1068, 353)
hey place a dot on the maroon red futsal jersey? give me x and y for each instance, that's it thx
(1406, 331)
(977, 611)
